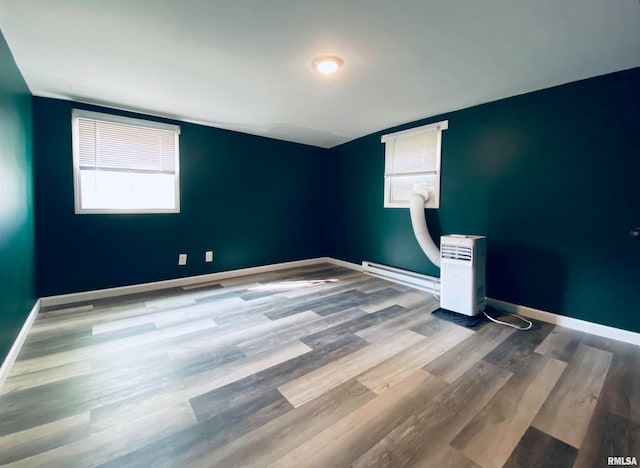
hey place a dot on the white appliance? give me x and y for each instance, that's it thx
(463, 273)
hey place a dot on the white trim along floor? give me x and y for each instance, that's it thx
(411, 279)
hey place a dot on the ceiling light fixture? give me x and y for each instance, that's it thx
(327, 65)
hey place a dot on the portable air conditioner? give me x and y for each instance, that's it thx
(462, 273)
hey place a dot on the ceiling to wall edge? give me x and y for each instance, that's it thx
(219, 126)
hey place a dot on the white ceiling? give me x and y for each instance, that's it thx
(246, 64)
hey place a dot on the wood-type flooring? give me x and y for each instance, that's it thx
(318, 366)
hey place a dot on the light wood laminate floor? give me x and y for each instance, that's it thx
(311, 367)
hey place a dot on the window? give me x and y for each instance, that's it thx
(412, 161)
(124, 165)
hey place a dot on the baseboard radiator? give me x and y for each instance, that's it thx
(408, 278)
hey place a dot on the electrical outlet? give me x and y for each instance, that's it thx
(182, 259)
(208, 256)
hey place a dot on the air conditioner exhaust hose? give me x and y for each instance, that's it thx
(420, 228)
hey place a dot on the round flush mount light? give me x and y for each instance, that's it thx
(327, 64)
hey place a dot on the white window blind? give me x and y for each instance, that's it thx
(107, 145)
(412, 159)
(413, 153)
(124, 165)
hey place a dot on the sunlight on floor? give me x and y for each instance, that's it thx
(288, 285)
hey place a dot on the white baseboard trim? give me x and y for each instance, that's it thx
(416, 280)
(344, 264)
(84, 296)
(568, 322)
(17, 344)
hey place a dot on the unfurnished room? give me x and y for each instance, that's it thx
(358, 233)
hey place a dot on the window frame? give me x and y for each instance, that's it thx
(77, 114)
(432, 178)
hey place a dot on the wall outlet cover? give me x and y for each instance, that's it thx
(208, 256)
(182, 259)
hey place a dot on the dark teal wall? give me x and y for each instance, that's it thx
(252, 200)
(552, 178)
(17, 294)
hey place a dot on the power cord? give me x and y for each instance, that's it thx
(523, 328)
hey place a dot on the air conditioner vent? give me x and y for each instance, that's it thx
(462, 273)
(457, 252)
